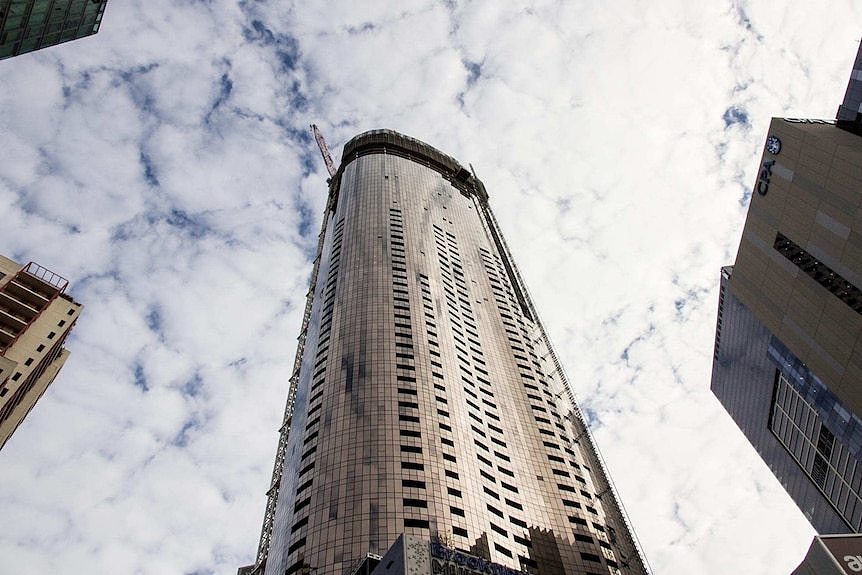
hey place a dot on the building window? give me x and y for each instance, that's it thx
(299, 525)
(296, 546)
(499, 548)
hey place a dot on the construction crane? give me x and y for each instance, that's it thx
(324, 151)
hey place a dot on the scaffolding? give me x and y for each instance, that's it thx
(284, 430)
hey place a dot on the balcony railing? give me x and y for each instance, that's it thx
(44, 274)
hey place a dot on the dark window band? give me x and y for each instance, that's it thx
(820, 272)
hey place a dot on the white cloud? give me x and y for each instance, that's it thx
(163, 166)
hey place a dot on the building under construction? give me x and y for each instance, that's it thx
(429, 425)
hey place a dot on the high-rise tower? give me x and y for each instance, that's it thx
(27, 25)
(788, 344)
(426, 398)
(35, 318)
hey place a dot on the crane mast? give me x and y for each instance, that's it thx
(324, 150)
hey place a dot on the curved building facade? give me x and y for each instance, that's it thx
(426, 398)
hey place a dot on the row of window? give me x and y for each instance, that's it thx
(473, 366)
(315, 391)
(531, 374)
(408, 408)
(717, 346)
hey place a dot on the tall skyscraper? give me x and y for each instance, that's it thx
(27, 25)
(788, 346)
(426, 399)
(35, 318)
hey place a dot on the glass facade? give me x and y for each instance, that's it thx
(781, 406)
(845, 425)
(27, 25)
(819, 433)
(426, 398)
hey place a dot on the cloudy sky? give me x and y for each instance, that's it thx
(165, 168)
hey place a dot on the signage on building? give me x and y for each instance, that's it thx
(763, 177)
(445, 561)
(846, 549)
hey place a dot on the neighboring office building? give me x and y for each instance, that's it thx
(425, 398)
(27, 25)
(788, 346)
(35, 318)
